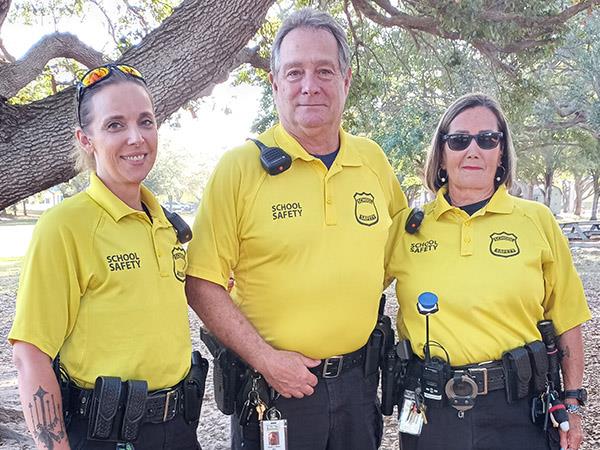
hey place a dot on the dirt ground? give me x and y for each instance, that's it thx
(213, 432)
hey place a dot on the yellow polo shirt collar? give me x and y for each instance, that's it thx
(118, 209)
(348, 156)
(500, 203)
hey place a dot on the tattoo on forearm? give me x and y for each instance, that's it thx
(566, 352)
(46, 417)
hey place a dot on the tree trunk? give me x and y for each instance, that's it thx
(596, 184)
(566, 185)
(578, 194)
(184, 58)
(548, 178)
(530, 189)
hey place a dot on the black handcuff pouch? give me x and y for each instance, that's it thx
(116, 403)
(104, 409)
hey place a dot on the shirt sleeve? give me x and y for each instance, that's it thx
(564, 301)
(49, 291)
(397, 208)
(214, 250)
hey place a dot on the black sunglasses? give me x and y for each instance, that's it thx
(487, 140)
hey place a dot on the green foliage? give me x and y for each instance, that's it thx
(403, 82)
(177, 174)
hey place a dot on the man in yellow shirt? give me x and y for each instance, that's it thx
(306, 246)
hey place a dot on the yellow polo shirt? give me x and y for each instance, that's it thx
(496, 274)
(104, 286)
(306, 246)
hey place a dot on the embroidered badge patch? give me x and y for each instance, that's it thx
(365, 210)
(179, 263)
(504, 244)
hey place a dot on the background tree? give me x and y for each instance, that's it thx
(411, 59)
(193, 49)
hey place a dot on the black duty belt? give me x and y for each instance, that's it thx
(488, 376)
(160, 406)
(334, 366)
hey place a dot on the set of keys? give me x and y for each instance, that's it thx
(253, 404)
(273, 429)
(412, 413)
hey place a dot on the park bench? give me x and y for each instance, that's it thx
(581, 231)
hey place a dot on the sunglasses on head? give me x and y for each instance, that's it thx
(486, 140)
(98, 74)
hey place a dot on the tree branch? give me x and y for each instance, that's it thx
(109, 24)
(544, 22)
(15, 76)
(136, 13)
(251, 56)
(402, 20)
(194, 48)
(534, 28)
(4, 7)
(4, 55)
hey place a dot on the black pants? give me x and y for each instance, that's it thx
(492, 424)
(342, 414)
(175, 434)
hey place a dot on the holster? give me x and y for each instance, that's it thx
(373, 352)
(105, 406)
(193, 388)
(380, 341)
(539, 365)
(517, 369)
(228, 372)
(65, 392)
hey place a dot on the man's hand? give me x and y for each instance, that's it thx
(572, 439)
(287, 373)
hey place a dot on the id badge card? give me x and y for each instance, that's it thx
(273, 434)
(410, 422)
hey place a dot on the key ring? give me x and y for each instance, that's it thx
(273, 413)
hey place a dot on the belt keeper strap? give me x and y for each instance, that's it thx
(135, 407)
(107, 392)
(539, 364)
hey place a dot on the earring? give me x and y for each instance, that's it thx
(442, 175)
(499, 176)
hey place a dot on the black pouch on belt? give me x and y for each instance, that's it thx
(539, 365)
(105, 406)
(135, 408)
(517, 370)
(193, 388)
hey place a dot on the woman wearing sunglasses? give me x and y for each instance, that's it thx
(102, 287)
(486, 267)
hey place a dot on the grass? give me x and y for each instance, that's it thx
(10, 266)
(19, 220)
(9, 273)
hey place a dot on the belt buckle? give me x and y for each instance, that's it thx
(168, 414)
(472, 371)
(334, 361)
